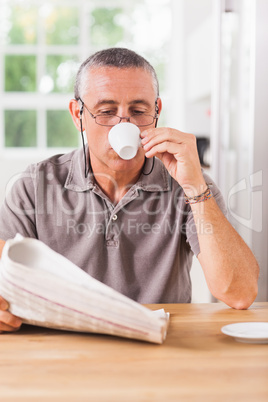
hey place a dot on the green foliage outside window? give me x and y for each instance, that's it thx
(61, 131)
(61, 26)
(23, 24)
(20, 73)
(62, 70)
(105, 30)
(20, 128)
(52, 24)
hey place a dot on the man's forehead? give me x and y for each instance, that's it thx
(112, 85)
(112, 77)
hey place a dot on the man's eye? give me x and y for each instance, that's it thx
(107, 113)
(137, 112)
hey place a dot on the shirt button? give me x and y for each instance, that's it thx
(114, 217)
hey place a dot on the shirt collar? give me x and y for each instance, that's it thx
(157, 180)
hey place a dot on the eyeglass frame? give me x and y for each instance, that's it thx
(155, 117)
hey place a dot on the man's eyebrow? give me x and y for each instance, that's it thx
(105, 102)
(141, 102)
(113, 102)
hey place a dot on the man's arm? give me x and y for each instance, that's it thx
(230, 268)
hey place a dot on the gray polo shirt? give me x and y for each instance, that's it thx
(142, 247)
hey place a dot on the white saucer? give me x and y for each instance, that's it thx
(248, 332)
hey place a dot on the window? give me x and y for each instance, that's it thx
(42, 46)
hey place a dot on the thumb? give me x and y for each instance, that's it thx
(3, 304)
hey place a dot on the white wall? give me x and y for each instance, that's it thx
(260, 143)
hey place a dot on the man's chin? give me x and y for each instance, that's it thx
(113, 162)
(123, 164)
(115, 157)
(118, 164)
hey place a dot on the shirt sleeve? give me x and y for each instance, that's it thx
(17, 214)
(191, 230)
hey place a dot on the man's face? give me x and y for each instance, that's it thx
(122, 92)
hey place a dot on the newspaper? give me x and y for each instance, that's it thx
(44, 288)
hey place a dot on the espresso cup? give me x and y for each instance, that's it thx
(124, 138)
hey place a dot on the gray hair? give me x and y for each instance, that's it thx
(112, 57)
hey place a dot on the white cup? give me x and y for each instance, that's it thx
(124, 138)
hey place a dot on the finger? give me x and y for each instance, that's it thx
(161, 148)
(6, 318)
(146, 133)
(152, 132)
(165, 133)
(7, 328)
(3, 304)
(172, 136)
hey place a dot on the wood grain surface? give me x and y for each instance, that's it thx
(196, 362)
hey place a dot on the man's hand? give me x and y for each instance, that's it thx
(178, 152)
(8, 321)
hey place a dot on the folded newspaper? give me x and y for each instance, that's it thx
(44, 288)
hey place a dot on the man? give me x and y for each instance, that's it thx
(127, 222)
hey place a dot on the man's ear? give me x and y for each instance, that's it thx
(74, 109)
(158, 108)
(159, 104)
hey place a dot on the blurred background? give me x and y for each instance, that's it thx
(211, 57)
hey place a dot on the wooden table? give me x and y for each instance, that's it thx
(196, 363)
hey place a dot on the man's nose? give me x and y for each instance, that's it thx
(124, 118)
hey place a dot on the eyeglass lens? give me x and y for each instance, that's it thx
(139, 120)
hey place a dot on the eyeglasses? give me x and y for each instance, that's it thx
(140, 119)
